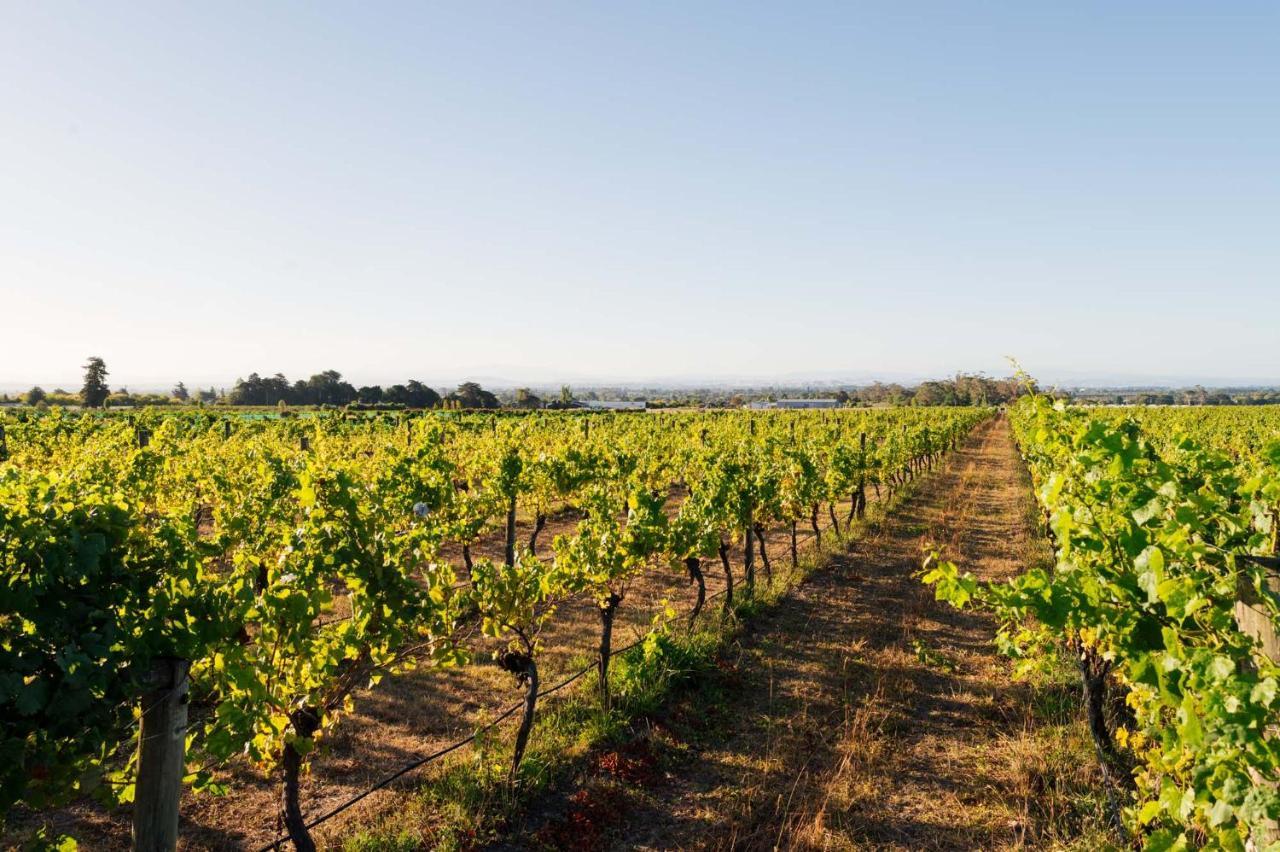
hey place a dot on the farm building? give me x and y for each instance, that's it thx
(808, 403)
(796, 403)
(614, 405)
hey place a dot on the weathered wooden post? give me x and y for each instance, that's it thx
(862, 475)
(1252, 616)
(304, 443)
(906, 468)
(162, 739)
(1254, 619)
(748, 554)
(4, 445)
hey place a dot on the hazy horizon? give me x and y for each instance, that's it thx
(589, 192)
(496, 379)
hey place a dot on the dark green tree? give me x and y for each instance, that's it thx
(420, 396)
(396, 394)
(95, 391)
(471, 395)
(328, 388)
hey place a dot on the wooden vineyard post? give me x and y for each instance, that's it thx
(1252, 616)
(1254, 619)
(906, 468)
(861, 507)
(162, 739)
(4, 445)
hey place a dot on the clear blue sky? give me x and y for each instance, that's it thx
(535, 190)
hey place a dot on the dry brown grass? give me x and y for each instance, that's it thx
(874, 717)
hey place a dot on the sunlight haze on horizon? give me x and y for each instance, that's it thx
(571, 192)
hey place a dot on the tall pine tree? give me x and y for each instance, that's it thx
(95, 390)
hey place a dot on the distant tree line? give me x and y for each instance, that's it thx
(1177, 396)
(962, 389)
(330, 389)
(327, 388)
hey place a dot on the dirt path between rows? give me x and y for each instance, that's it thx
(871, 716)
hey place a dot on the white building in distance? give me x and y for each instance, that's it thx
(614, 405)
(795, 403)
